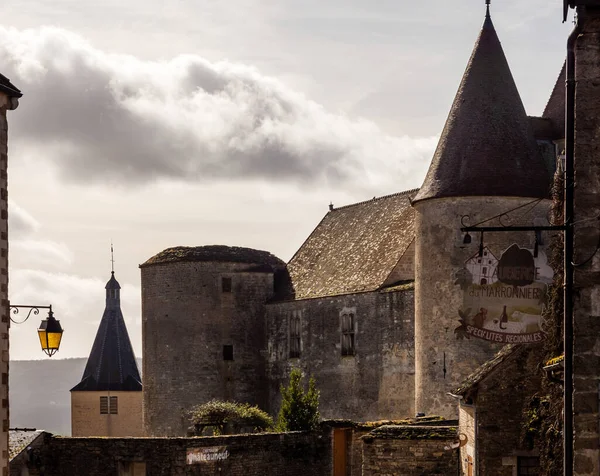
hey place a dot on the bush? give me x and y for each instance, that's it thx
(299, 410)
(228, 417)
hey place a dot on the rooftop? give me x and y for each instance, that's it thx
(218, 253)
(487, 147)
(354, 248)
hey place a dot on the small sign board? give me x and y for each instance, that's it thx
(503, 299)
(209, 454)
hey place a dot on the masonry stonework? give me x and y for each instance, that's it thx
(377, 381)
(586, 297)
(442, 361)
(8, 101)
(410, 451)
(187, 320)
(273, 454)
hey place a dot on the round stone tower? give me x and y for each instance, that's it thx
(486, 164)
(203, 330)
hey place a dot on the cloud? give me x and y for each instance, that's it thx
(20, 222)
(77, 302)
(104, 117)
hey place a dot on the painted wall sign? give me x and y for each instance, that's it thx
(207, 455)
(503, 299)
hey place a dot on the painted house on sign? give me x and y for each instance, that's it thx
(483, 268)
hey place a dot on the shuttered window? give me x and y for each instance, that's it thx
(348, 333)
(114, 405)
(109, 405)
(295, 330)
(103, 405)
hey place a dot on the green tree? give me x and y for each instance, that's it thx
(299, 409)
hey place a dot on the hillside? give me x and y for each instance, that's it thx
(39, 393)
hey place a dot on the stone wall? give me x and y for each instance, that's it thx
(5, 104)
(292, 454)
(377, 382)
(586, 361)
(86, 419)
(410, 451)
(187, 320)
(442, 361)
(498, 417)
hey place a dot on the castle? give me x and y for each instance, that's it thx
(375, 304)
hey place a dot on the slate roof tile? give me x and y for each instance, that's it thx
(354, 248)
(487, 147)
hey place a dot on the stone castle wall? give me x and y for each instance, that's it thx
(187, 320)
(440, 253)
(292, 454)
(377, 382)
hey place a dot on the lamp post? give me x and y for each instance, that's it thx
(50, 332)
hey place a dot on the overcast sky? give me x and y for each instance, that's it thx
(164, 123)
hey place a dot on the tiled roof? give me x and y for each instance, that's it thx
(555, 109)
(9, 88)
(354, 248)
(111, 364)
(19, 439)
(219, 253)
(486, 369)
(487, 147)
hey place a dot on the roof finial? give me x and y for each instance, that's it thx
(487, 8)
(112, 258)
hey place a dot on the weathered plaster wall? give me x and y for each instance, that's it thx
(586, 362)
(86, 419)
(377, 382)
(186, 321)
(466, 430)
(292, 454)
(440, 253)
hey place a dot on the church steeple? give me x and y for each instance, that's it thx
(112, 364)
(487, 147)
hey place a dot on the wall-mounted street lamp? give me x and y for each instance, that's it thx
(50, 332)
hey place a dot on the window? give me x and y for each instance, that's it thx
(113, 406)
(484, 271)
(295, 330)
(528, 465)
(348, 333)
(227, 352)
(103, 405)
(226, 285)
(109, 405)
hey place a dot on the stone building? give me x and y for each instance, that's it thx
(203, 330)
(9, 100)
(374, 304)
(108, 400)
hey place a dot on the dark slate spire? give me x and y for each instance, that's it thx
(111, 365)
(487, 147)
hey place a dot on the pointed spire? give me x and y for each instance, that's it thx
(487, 10)
(111, 364)
(487, 147)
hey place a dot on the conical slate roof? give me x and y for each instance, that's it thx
(111, 364)
(487, 147)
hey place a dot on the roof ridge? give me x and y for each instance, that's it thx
(554, 88)
(405, 192)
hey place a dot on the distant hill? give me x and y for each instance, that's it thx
(39, 393)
